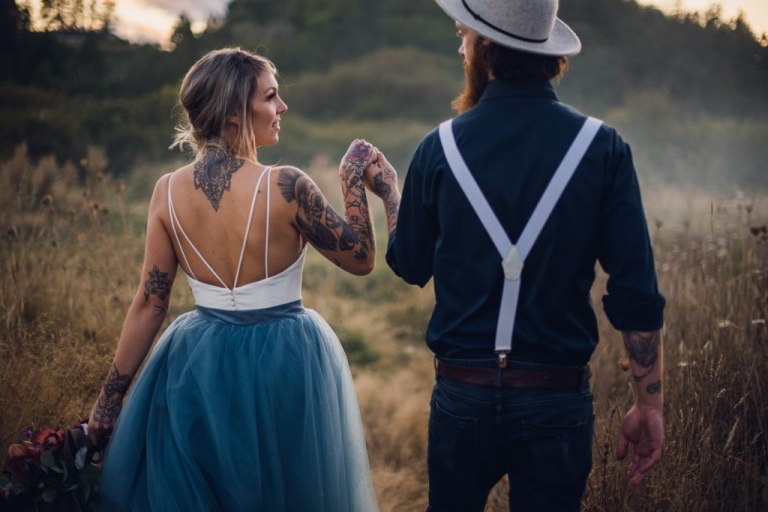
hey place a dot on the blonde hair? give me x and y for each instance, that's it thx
(217, 88)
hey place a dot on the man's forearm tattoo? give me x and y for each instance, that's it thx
(385, 192)
(213, 173)
(110, 401)
(643, 349)
(158, 284)
(654, 388)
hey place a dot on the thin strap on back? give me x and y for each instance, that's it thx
(174, 221)
(266, 237)
(173, 215)
(250, 218)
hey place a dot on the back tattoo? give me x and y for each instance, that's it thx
(213, 173)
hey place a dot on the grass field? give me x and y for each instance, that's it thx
(70, 258)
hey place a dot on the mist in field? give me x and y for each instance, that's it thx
(85, 124)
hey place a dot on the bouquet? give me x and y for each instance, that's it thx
(51, 470)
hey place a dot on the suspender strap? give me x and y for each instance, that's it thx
(513, 255)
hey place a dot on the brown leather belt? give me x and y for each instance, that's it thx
(545, 379)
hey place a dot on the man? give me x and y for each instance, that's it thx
(508, 208)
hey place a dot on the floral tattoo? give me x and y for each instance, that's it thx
(317, 221)
(110, 401)
(214, 173)
(158, 284)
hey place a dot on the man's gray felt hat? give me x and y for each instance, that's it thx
(527, 25)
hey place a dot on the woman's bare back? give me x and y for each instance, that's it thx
(212, 201)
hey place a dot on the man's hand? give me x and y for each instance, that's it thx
(643, 427)
(380, 177)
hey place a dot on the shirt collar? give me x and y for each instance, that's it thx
(518, 88)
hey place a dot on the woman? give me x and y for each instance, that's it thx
(247, 402)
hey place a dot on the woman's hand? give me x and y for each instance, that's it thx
(107, 408)
(357, 159)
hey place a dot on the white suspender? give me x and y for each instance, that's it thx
(513, 255)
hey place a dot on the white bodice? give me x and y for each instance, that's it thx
(273, 291)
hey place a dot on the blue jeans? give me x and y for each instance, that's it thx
(540, 438)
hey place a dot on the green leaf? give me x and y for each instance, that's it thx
(48, 459)
(91, 475)
(58, 469)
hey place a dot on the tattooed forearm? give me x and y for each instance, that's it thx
(158, 284)
(116, 383)
(110, 400)
(213, 173)
(381, 187)
(654, 388)
(356, 206)
(390, 196)
(643, 349)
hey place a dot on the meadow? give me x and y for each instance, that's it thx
(71, 243)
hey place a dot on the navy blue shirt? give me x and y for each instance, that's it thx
(513, 141)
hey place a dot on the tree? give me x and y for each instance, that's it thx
(95, 15)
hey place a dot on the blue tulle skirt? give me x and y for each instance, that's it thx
(241, 411)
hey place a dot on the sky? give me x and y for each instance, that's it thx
(152, 20)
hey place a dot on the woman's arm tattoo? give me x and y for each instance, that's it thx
(355, 198)
(330, 233)
(110, 401)
(213, 173)
(643, 349)
(158, 284)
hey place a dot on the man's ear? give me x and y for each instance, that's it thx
(485, 42)
(233, 120)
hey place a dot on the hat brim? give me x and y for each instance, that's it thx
(562, 42)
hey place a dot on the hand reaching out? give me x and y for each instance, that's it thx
(643, 427)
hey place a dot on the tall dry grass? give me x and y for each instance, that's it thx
(70, 255)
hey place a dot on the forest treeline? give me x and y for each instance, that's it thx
(688, 91)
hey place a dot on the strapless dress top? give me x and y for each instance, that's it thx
(276, 290)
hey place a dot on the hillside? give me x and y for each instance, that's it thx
(688, 92)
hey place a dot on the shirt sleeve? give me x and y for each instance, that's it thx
(633, 301)
(411, 246)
